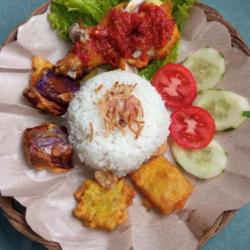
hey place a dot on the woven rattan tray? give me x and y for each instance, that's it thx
(17, 218)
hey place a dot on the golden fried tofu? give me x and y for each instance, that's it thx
(100, 208)
(162, 184)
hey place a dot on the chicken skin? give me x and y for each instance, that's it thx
(136, 38)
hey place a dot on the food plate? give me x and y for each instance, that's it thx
(240, 200)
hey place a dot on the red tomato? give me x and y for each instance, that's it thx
(192, 127)
(176, 85)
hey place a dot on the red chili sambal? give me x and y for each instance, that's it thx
(127, 35)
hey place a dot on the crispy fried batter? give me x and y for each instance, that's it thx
(38, 65)
(46, 90)
(47, 147)
(163, 184)
(106, 179)
(101, 208)
(147, 204)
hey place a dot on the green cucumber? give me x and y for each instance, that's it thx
(207, 66)
(226, 107)
(204, 163)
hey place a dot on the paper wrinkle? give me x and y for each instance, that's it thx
(203, 34)
(49, 197)
(191, 29)
(36, 33)
(14, 56)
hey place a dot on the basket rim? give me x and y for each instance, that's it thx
(17, 219)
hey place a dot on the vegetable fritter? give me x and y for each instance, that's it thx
(100, 208)
(162, 184)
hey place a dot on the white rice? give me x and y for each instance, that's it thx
(117, 152)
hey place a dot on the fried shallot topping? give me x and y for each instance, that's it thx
(120, 109)
(99, 88)
(91, 134)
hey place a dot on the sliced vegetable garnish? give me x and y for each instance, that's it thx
(192, 127)
(204, 163)
(176, 85)
(227, 108)
(208, 67)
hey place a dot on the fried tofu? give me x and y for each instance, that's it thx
(162, 184)
(100, 208)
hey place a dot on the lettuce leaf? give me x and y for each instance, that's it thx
(181, 10)
(66, 12)
(246, 114)
(149, 71)
(61, 20)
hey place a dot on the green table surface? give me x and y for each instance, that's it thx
(236, 236)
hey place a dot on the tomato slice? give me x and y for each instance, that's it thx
(192, 127)
(176, 84)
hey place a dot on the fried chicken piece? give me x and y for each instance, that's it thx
(162, 184)
(122, 37)
(47, 147)
(100, 208)
(48, 91)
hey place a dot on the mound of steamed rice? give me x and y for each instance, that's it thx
(118, 153)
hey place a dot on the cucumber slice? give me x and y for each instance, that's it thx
(205, 163)
(226, 107)
(208, 67)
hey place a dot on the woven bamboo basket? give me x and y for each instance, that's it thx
(17, 217)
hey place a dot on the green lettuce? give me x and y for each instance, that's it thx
(181, 10)
(246, 114)
(149, 71)
(64, 13)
